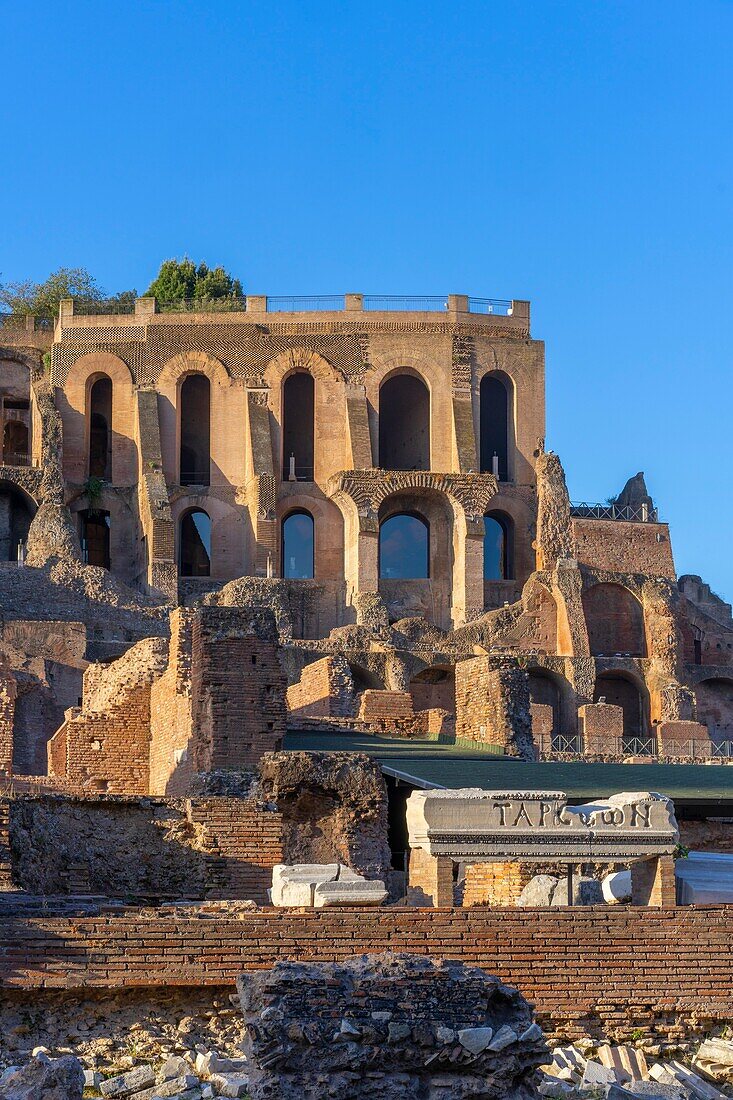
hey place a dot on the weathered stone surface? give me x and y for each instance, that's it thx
(538, 825)
(59, 1079)
(538, 891)
(142, 1077)
(349, 892)
(616, 887)
(448, 1034)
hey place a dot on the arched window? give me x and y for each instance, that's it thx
(195, 401)
(620, 691)
(15, 443)
(404, 547)
(498, 549)
(17, 511)
(496, 416)
(297, 416)
(100, 428)
(297, 546)
(194, 551)
(95, 531)
(404, 424)
(615, 621)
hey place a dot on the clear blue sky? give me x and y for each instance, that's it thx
(578, 154)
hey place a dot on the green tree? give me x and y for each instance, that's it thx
(42, 299)
(183, 280)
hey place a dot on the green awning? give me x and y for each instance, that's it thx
(424, 763)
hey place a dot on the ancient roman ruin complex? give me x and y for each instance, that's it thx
(286, 586)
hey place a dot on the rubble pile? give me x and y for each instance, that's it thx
(387, 1027)
(618, 1072)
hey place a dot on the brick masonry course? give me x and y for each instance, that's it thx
(592, 968)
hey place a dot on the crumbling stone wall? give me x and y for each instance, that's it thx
(492, 705)
(387, 1026)
(554, 528)
(325, 689)
(107, 741)
(171, 729)
(151, 849)
(334, 808)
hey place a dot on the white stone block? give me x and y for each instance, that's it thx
(617, 887)
(349, 893)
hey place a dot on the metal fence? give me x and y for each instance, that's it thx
(641, 513)
(642, 745)
(305, 303)
(203, 305)
(84, 307)
(16, 458)
(20, 321)
(397, 303)
(499, 306)
(562, 743)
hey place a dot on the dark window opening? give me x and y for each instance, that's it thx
(16, 514)
(297, 418)
(697, 645)
(298, 546)
(15, 443)
(195, 458)
(498, 549)
(100, 429)
(195, 544)
(95, 542)
(404, 548)
(620, 692)
(404, 424)
(495, 417)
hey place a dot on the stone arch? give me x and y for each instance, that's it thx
(328, 520)
(231, 535)
(549, 689)
(615, 621)
(429, 596)
(227, 412)
(497, 413)
(99, 411)
(620, 688)
(194, 429)
(297, 542)
(194, 543)
(298, 426)
(74, 403)
(434, 687)
(714, 706)
(17, 509)
(498, 546)
(404, 422)
(328, 414)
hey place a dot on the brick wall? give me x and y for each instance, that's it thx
(492, 705)
(595, 968)
(498, 884)
(621, 547)
(171, 767)
(8, 692)
(248, 843)
(325, 690)
(384, 705)
(237, 692)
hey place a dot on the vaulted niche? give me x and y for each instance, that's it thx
(95, 537)
(100, 428)
(496, 415)
(404, 547)
(404, 424)
(194, 547)
(298, 546)
(195, 400)
(298, 414)
(498, 547)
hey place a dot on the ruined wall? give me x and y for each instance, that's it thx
(171, 730)
(492, 705)
(143, 848)
(237, 690)
(334, 808)
(325, 689)
(107, 740)
(559, 959)
(621, 547)
(8, 692)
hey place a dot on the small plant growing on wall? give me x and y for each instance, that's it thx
(93, 491)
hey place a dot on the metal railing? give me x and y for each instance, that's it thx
(391, 302)
(195, 477)
(638, 745)
(305, 303)
(636, 513)
(85, 307)
(20, 321)
(571, 743)
(203, 305)
(302, 473)
(499, 306)
(16, 458)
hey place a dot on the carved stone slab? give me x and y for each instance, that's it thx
(475, 825)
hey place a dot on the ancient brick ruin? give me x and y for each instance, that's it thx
(265, 575)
